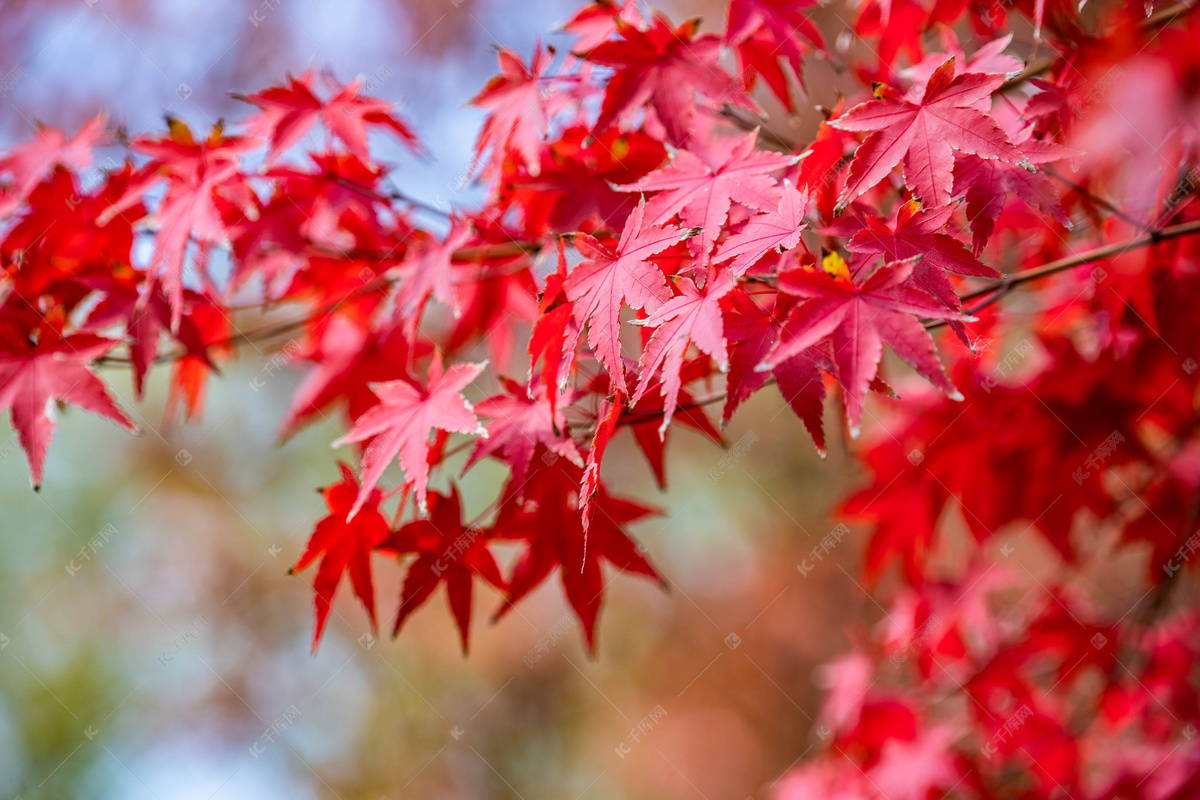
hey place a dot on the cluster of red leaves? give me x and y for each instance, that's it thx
(623, 198)
(1036, 538)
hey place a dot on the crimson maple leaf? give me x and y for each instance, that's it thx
(349, 358)
(446, 551)
(29, 162)
(914, 232)
(773, 30)
(597, 21)
(574, 187)
(519, 422)
(344, 543)
(204, 180)
(400, 425)
(288, 111)
(517, 124)
(610, 414)
(701, 186)
(555, 334)
(988, 183)
(925, 134)
(693, 315)
(776, 230)
(55, 367)
(666, 68)
(894, 25)
(643, 422)
(859, 317)
(752, 331)
(547, 519)
(429, 271)
(597, 287)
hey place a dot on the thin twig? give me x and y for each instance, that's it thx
(1154, 236)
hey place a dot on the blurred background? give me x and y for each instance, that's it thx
(151, 642)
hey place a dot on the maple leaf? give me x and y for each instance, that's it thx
(144, 317)
(574, 187)
(988, 183)
(446, 552)
(30, 162)
(860, 316)
(914, 232)
(701, 187)
(344, 543)
(519, 423)
(555, 334)
(597, 21)
(774, 231)
(288, 111)
(547, 520)
(400, 425)
(752, 331)
(429, 271)
(924, 134)
(518, 122)
(990, 59)
(597, 286)
(348, 359)
(776, 28)
(898, 24)
(691, 316)
(589, 484)
(55, 368)
(666, 68)
(204, 181)
(643, 421)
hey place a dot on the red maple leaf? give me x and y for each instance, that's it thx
(204, 184)
(752, 331)
(429, 272)
(589, 484)
(400, 425)
(573, 189)
(349, 358)
(925, 134)
(915, 232)
(666, 68)
(988, 183)
(898, 24)
(859, 317)
(55, 367)
(30, 162)
(692, 316)
(773, 29)
(597, 287)
(555, 334)
(644, 421)
(446, 551)
(775, 231)
(520, 422)
(288, 111)
(517, 124)
(344, 543)
(701, 186)
(547, 520)
(597, 21)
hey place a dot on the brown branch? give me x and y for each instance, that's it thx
(1003, 287)
(1098, 254)
(1158, 19)
(267, 332)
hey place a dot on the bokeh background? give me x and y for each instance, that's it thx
(174, 661)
